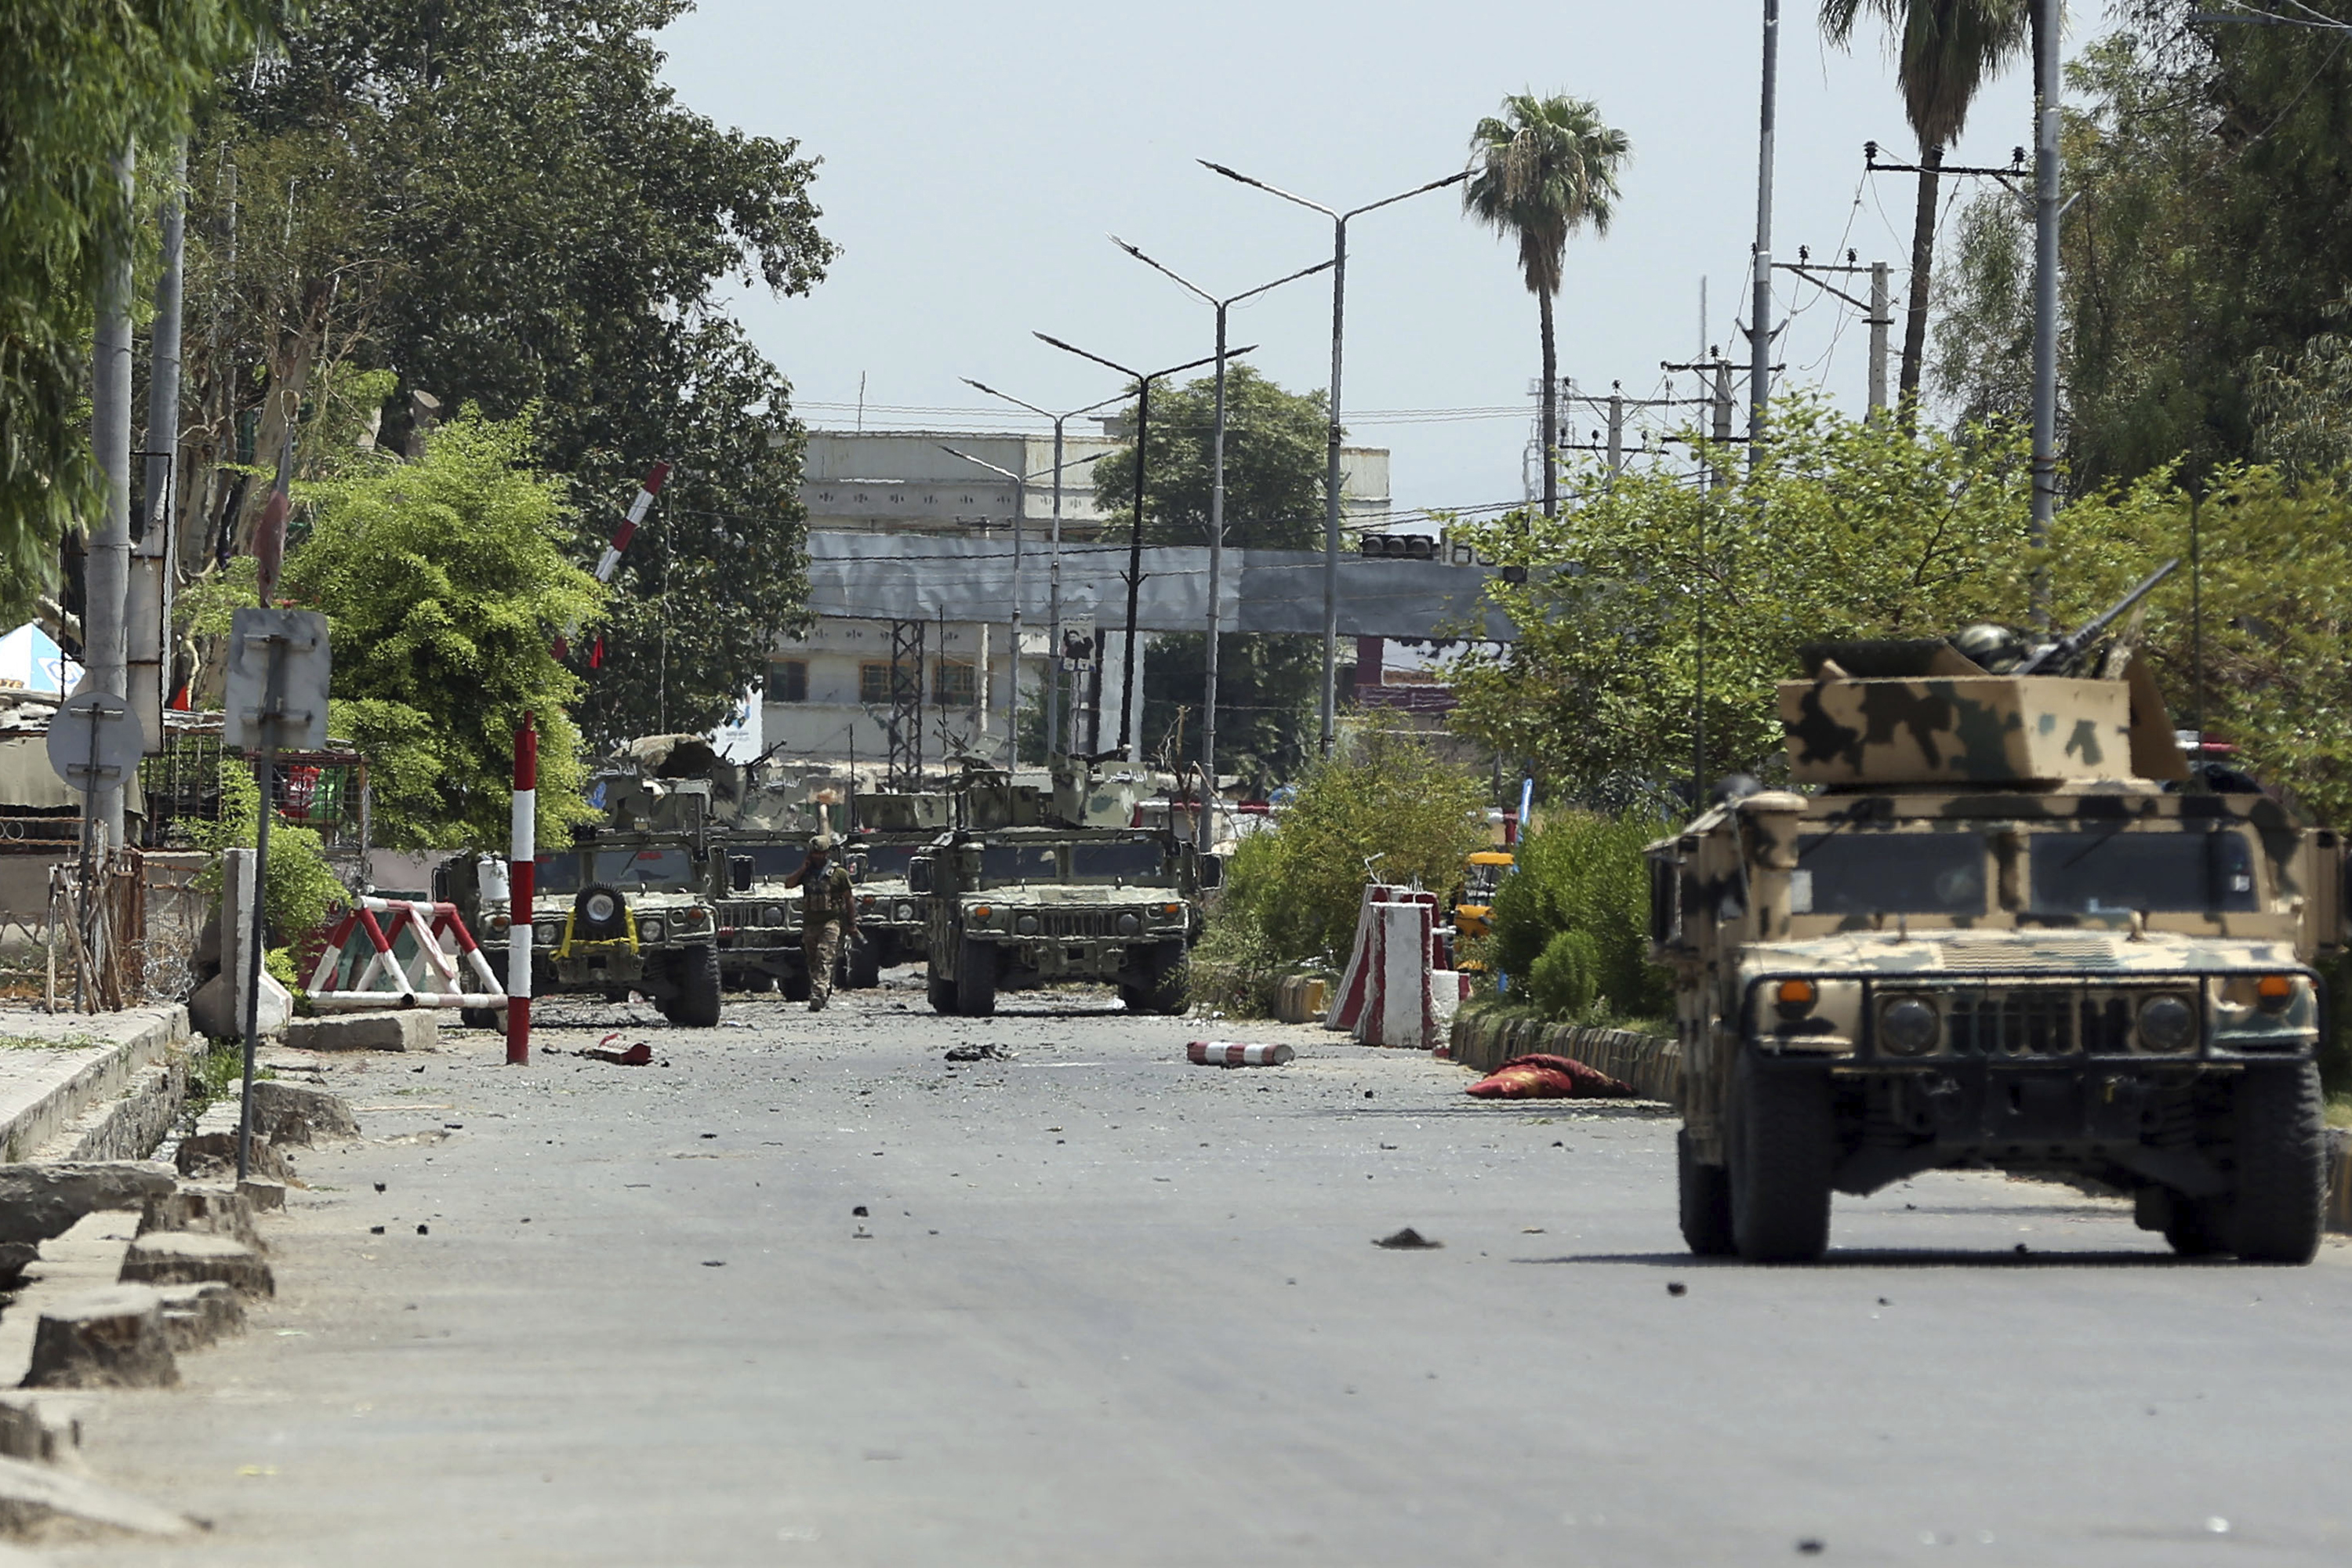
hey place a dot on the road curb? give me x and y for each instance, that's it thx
(59, 1109)
(1651, 1063)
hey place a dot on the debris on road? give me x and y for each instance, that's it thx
(637, 1055)
(979, 1053)
(1409, 1240)
(1550, 1078)
(1676, 1288)
(1234, 1054)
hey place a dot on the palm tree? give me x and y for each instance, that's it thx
(1944, 51)
(1542, 170)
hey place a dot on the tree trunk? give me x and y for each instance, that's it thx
(1923, 258)
(1551, 412)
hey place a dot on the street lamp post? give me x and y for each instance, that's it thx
(1143, 380)
(1054, 741)
(1331, 455)
(1216, 513)
(1020, 506)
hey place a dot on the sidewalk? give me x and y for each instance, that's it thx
(64, 1078)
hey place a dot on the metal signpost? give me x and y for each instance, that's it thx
(276, 700)
(95, 742)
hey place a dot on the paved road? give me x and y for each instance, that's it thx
(1108, 1309)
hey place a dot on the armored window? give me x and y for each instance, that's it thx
(1863, 872)
(1131, 862)
(787, 680)
(889, 859)
(952, 683)
(873, 685)
(1003, 863)
(2116, 872)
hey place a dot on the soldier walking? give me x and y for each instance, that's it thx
(828, 914)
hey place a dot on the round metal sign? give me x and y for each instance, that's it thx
(94, 740)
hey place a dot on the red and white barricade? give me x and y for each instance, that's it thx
(1399, 988)
(419, 955)
(1235, 1054)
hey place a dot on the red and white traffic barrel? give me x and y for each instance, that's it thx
(1235, 1054)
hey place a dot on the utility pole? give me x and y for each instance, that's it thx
(2046, 86)
(1216, 517)
(1759, 346)
(108, 572)
(1055, 745)
(1330, 711)
(1874, 310)
(1127, 701)
(148, 631)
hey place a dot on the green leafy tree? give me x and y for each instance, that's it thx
(1274, 453)
(1541, 170)
(443, 582)
(536, 223)
(1573, 918)
(1945, 51)
(84, 82)
(1847, 528)
(1389, 800)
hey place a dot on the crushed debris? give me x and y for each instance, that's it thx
(985, 1052)
(1409, 1240)
(637, 1055)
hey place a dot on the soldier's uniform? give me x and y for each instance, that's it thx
(824, 919)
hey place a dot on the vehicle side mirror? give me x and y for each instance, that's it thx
(919, 876)
(1212, 872)
(739, 872)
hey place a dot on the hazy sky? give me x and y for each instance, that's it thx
(975, 157)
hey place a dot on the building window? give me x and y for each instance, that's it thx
(873, 685)
(952, 683)
(788, 680)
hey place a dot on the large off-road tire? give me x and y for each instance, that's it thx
(795, 985)
(942, 992)
(975, 980)
(1171, 989)
(1783, 1130)
(2195, 1229)
(697, 1002)
(863, 962)
(482, 1017)
(2279, 1205)
(1705, 1192)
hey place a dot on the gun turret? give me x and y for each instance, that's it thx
(2061, 657)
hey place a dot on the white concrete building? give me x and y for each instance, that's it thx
(828, 696)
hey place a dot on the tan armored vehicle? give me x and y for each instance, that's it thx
(1997, 924)
(1038, 887)
(893, 924)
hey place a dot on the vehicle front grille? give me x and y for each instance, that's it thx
(1077, 924)
(2037, 1023)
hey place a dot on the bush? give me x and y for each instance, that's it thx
(1235, 969)
(1384, 798)
(303, 889)
(1571, 921)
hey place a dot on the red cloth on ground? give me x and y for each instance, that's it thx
(1550, 1078)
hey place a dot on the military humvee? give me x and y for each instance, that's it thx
(892, 922)
(1036, 887)
(2001, 926)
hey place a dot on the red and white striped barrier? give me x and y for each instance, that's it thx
(523, 867)
(433, 975)
(610, 562)
(1359, 980)
(1234, 1054)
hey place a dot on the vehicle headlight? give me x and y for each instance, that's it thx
(2168, 1023)
(771, 914)
(601, 907)
(905, 912)
(980, 914)
(548, 935)
(1909, 1026)
(1129, 925)
(1170, 912)
(649, 931)
(1026, 925)
(1795, 998)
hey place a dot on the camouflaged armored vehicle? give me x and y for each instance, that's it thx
(1996, 925)
(1036, 887)
(893, 924)
(629, 907)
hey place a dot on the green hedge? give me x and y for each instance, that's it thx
(1571, 921)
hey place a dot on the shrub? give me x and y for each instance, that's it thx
(1388, 799)
(1581, 877)
(303, 889)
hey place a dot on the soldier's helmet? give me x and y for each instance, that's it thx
(1995, 649)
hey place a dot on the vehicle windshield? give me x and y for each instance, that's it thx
(2115, 872)
(1139, 861)
(570, 871)
(887, 860)
(1871, 873)
(1003, 863)
(1478, 882)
